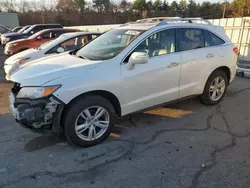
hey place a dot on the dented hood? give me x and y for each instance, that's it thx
(38, 72)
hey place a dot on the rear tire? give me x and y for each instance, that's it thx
(83, 127)
(215, 88)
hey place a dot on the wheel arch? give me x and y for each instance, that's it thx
(105, 94)
(224, 69)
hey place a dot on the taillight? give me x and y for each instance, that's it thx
(236, 50)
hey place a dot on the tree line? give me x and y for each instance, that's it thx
(82, 12)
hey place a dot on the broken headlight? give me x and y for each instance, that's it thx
(36, 92)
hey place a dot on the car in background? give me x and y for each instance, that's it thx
(28, 32)
(34, 41)
(243, 69)
(20, 31)
(66, 42)
(16, 29)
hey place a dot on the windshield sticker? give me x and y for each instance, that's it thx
(131, 32)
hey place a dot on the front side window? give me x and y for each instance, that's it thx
(46, 35)
(23, 29)
(109, 44)
(86, 39)
(68, 45)
(55, 34)
(190, 39)
(33, 29)
(157, 44)
(211, 39)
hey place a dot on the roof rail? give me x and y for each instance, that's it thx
(149, 20)
(156, 19)
(189, 20)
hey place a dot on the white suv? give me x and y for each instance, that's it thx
(128, 69)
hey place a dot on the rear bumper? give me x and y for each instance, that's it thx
(37, 114)
(244, 71)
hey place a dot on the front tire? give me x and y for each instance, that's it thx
(89, 120)
(215, 88)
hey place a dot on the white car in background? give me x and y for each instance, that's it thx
(127, 69)
(66, 42)
(243, 70)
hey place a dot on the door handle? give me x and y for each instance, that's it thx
(172, 65)
(210, 55)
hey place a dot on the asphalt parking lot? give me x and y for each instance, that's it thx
(182, 145)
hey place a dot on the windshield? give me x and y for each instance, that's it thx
(23, 29)
(28, 30)
(109, 44)
(52, 43)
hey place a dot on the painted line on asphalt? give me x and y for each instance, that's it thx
(115, 135)
(168, 112)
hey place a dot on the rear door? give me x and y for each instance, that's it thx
(198, 60)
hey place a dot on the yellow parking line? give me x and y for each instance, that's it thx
(115, 135)
(168, 112)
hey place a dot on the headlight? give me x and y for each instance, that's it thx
(36, 92)
(13, 45)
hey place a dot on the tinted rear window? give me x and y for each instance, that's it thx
(190, 38)
(211, 39)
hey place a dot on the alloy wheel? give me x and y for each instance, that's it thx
(92, 123)
(217, 88)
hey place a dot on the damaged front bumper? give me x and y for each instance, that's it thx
(38, 113)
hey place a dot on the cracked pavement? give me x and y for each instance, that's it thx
(206, 148)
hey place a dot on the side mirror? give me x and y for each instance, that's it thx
(60, 50)
(137, 58)
(39, 38)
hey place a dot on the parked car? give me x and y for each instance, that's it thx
(243, 69)
(24, 29)
(28, 32)
(66, 42)
(16, 29)
(34, 41)
(128, 69)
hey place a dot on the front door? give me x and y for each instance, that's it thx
(157, 81)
